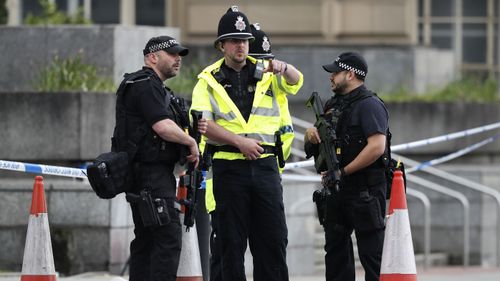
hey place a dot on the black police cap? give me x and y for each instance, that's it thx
(166, 43)
(350, 61)
(260, 48)
(233, 24)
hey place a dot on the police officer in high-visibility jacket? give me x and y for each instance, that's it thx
(259, 48)
(238, 97)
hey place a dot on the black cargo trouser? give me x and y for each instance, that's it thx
(249, 199)
(155, 250)
(361, 209)
(215, 252)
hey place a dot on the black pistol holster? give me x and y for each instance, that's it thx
(320, 198)
(153, 211)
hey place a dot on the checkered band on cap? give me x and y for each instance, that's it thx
(162, 46)
(349, 68)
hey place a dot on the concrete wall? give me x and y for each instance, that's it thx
(91, 234)
(26, 50)
(77, 127)
(321, 21)
(88, 233)
(118, 49)
(390, 68)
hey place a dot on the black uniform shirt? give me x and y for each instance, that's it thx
(241, 87)
(369, 115)
(358, 116)
(148, 100)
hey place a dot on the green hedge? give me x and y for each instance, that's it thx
(469, 89)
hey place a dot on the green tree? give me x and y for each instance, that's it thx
(50, 15)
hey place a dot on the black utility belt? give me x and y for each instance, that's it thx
(268, 149)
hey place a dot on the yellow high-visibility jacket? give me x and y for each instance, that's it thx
(269, 113)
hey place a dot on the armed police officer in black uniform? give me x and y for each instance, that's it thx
(148, 119)
(360, 120)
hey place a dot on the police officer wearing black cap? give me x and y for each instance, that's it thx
(360, 119)
(148, 118)
(237, 96)
(260, 48)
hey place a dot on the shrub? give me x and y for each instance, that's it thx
(50, 15)
(72, 75)
(469, 89)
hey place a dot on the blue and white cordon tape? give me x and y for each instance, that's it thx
(43, 169)
(82, 173)
(447, 137)
(453, 155)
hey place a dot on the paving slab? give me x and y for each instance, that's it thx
(432, 274)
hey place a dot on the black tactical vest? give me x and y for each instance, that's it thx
(131, 130)
(350, 140)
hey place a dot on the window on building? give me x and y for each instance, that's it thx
(442, 8)
(31, 7)
(150, 12)
(442, 35)
(475, 8)
(106, 12)
(474, 43)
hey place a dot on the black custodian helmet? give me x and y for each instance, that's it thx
(233, 24)
(260, 48)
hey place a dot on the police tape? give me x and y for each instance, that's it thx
(447, 137)
(82, 173)
(43, 169)
(400, 147)
(421, 166)
(453, 155)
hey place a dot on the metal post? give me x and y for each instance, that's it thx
(460, 197)
(427, 223)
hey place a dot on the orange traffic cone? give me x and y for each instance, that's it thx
(190, 260)
(398, 258)
(38, 261)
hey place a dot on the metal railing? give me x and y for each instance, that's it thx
(468, 184)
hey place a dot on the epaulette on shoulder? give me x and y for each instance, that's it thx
(141, 78)
(218, 75)
(138, 76)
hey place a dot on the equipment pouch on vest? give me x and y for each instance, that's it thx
(389, 172)
(110, 174)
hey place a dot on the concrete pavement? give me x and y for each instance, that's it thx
(432, 274)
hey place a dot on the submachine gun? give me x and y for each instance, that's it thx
(193, 177)
(326, 158)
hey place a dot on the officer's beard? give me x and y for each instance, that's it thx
(169, 72)
(340, 89)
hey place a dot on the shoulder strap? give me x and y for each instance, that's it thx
(219, 75)
(359, 98)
